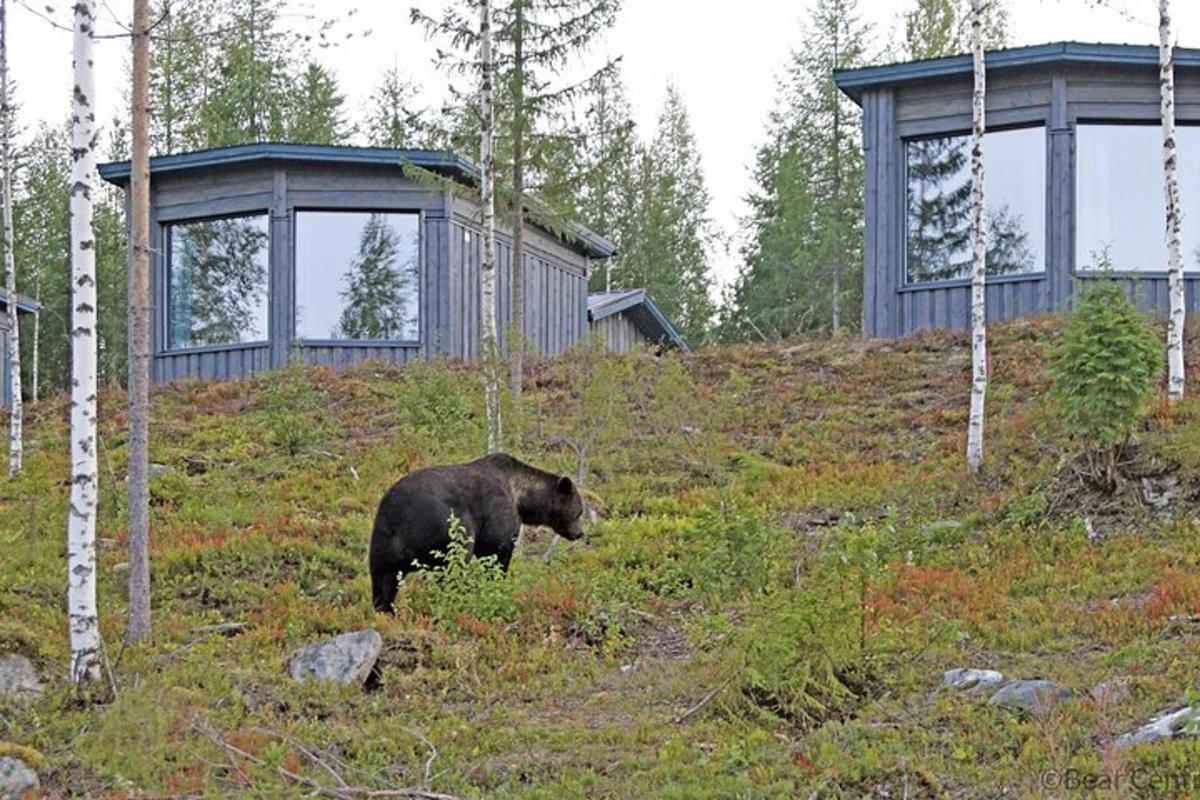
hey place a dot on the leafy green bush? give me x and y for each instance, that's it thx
(437, 403)
(1103, 374)
(468, 589)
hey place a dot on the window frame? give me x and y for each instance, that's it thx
(1076, 270)
(168, 242)
(907, 285)
(294, 266)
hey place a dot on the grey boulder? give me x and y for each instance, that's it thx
(18, 678)
(972, 681)
(16, 778)
(1165, 726)
(346, 659)
(1029, 695)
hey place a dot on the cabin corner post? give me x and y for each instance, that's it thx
(281, 326)
(1060, 199)
(883, 214)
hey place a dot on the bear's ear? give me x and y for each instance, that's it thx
(565, 486)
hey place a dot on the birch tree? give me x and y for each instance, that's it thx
(138, 627)
(979, 370)
(487, 191)
(15, 445)
(81, 516)
(1166, 81)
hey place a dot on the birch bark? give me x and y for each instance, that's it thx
(1175, 322)
(979, 370)
(138, 627)
(81, 516)
(16, 409)
(487, 190)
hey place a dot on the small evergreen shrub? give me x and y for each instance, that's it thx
(292, 410)
(1103, 374)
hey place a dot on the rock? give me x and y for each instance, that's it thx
(120, 568)
(1029, 695)
(158, 470)
(973, 681)
(1112, 692)
(1185, 721)
(347, 659)
(1161, 492)
(16, 778)
(18, 678)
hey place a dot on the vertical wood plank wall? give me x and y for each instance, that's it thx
(1057, 99)
(618, 333)
(451, 248)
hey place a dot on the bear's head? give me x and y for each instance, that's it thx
(566, 512)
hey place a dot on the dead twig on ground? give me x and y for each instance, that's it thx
(703, 702)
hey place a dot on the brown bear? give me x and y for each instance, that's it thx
(493, 497)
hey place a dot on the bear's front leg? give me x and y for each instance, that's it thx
(384, 586)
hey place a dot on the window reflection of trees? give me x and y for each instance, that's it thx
(217, 286)
(357, 276)
(380, 286)
(939, 216)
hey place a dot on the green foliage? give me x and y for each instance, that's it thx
(467, 588)
(803, 262)
(1105, 367)
(935, 28)
(436, 403)
(292, 410)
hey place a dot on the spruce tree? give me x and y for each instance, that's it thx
(379, 291)
(315, 114)
(391, 120)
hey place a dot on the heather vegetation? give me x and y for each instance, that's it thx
(786, 556)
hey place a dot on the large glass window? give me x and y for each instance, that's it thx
(1120, 209)
(939, 204)
(357, 275)
(217, 281)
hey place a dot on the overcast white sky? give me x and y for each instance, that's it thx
(724, 58)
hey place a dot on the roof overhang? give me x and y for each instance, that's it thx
(441, 162)
(645, 314)
(25, 305)
(856, 81)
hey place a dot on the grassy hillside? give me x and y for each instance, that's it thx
(788, 555)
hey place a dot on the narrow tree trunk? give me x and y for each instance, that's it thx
(835, 300)
(139, 333)
(517, 347)
(81, 522)
(16, 411)
(979, 374)
(1166, 79)
(487, 190)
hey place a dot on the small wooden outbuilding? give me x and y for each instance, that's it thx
(629, 318)
(24, 306)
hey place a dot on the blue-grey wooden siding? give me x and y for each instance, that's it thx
(1055, 98)
(618, 333)
(450, 280)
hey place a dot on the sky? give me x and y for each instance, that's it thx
(724, 59)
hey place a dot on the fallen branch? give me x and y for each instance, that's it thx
(703, 702)
(342, 792)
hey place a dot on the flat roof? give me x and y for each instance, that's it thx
(644, 312)
(854, 81)
(442, 162)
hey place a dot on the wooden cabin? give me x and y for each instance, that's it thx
(1073, 171)
(630, 318)
(24, 306)
(341, 254)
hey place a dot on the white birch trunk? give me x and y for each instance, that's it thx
(81, 522)
(138, 627)
(16, 410)
(1166, 79)
(979, 371)
(487, 190)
